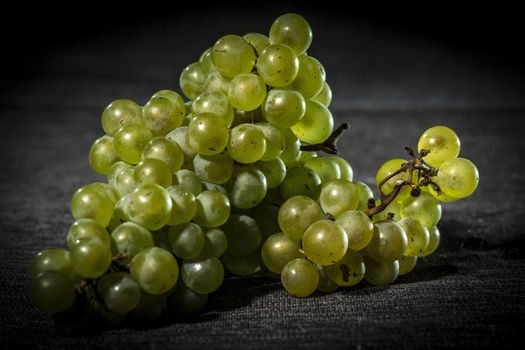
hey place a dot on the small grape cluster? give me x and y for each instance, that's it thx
(232, 179)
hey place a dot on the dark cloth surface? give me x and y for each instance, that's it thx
(387, 85)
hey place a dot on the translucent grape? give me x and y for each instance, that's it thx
(338, 196)
(216, 169)
(406, 264)
(433, 241)
(152, 171)
(232, 55)
(242, 265)
(424, 208)
(129, 142)
(52, 291)
(277, 65)
(185, 302)
(293, 30)
(310, 78)
(188, 180)
(278, 250)
(458, 178)
(442, 197)
(184, 205)
(275, 141)
(208, 186)
(155, 270)
(192, 80)
(187, 240)
(161, 115)
(54, 259)
(324, 96)
(120, 113)
(297, 214)
(257, 40)
(214, 103)
(388, 243)
(216, 82)
(125, 182)
(316, 125)
(345, 168)
(90, 257)
(417, 236)
(174, 97)
(207, 134)
(244, 236)
(120, 212)
(180, 136)
(292, 152)
(393, 208)
(301, 181)
(204, 276)
(213, 209)
(215, 245)
(207, 62)
(348, 271)
(86, 228)
(379, 274)
(247, 91)
(358, 228)
(365, 193)
(300, 278)
(164, 150)
(102, 155)
(283, 108)
(130, 239)
(247, 143)
(443, 144)
(325, 242)
(247, 188)
(114, 170)
(119, 291)
(150, 206)
(325, 167)
(90, 203)
(326, 285)
(273, 170)
(388, 168)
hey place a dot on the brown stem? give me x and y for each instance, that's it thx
(330, 144)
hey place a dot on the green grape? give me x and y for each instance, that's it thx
(301, 181)
(185, 302)
(310, 78)
(213, 209)
(417, 236)
(266, 217)
(152, 171)
(345, 168)
(300, 278)
(215, 245)
(247, 91)
(175, 98)
(155, 270)
(247, 188)
(242, 265)
(297, 214)
(207, 134)
(393, 208)
(443, 144)
(120, 212)
(316, 125)
(442, 197)
(324, 96)
(54, 259)
(247, 143)
(52, 291)
(90, 257)
(129, 239)
(207, 62)
(216, 169)
(86, 228)
(232, 55)
(90, 203)
(214, 103)
(129, 142)
(433, 241)
(379, 274)
(306, 156)
(244, 236)
(192, 80)
(120, 113)
(165, 150)
(326, 285)
(119, 291)
(325, 242)
(216, 82)
(388, 243)
(365, 193)
(187, 240)
(184, 205)
(283, 108)
(161, 115)
(278, 250)
(277, 65)
(188, 180)
(273, 170)
(457, 178)
(325, 167)
(348, 271)
(388, 168)
(150, 206)
(149, 310)
(245, 117)
(208, 186)
(105, 190)
(115, 170)
(125, 182)
(204, 276)
(424, 208)
(358, 228)
(338, 196)
(102, 155)
(292, 149)
(275, 141)
(293, 30)
(406, 264)
(258, 41)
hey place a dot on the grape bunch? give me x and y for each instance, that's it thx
(232, 181)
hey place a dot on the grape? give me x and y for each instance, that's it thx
(207, 134)
(54, 259)
(102, 155)
(244, 236)
(292, 152)
(213, 209)
(184, 205)
(180, 136)
(105, 190)
(393, 208)
(406, 264)
(442, 197)
(192, 80)
(348, 271)
(120, 292)
(457, 178)
(345, 168)
(388, 168)
(125, 182)
(129, 142)
(149, 310)
(152, 171)
(324, 96)
(246, 117)
(130, 239)
(247, 188)
(185, 302)
(358, 228)
(208, 186)
(325, 242)
(275, 141)
(120, 113)
(297, 214)
(277, 65)
(155, 270)
(278, 250)
(216, 169)
(273, 170)
(161, 115)
(232, 56)
(316, 125)
(86, 228)
(293, 30)
(379, 274)
(247, 91)
(326, 285)
(424, 208)
(204, 276)
(187, 240)
(310, 78)
(258, 41)
(188, 180)
(214, 103)
(443, 144)
(207, 62)
(338, 196)
(90, 203)
(433, 241)
(52, 291)
(90, 257)
(120, 212)
(247, 143)
(388, 243)
(242, 265)
(215, 245)
(283, 108)
(325, 167)
(164, 150)
(150, 206)
(417, 236)
(365, 193)
(306, 156)
(175, 98)
(300, 278)
(301, 181)
(115, 170)
(216, 82)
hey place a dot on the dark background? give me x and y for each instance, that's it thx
(394, 71)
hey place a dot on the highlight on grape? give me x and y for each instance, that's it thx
(242, 178)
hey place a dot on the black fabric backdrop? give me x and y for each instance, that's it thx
(391, 80)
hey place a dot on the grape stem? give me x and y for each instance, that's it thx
(424, 178)
(330, 144)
